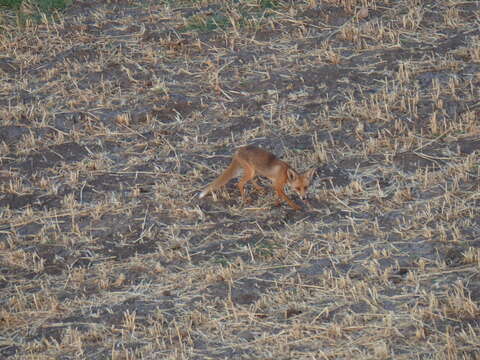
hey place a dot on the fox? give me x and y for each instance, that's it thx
(254, 161)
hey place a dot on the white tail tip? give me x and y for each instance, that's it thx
(202, 194)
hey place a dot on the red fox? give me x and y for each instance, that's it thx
(254, 161)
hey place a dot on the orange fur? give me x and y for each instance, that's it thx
(254, 161)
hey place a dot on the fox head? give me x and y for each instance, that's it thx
(300, 182)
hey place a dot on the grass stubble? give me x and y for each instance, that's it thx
(114, 114)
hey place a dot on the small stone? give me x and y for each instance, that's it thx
(362, 13)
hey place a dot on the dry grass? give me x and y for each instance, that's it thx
(114, 116)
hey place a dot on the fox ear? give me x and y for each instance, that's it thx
(309, 173)
(291, 174)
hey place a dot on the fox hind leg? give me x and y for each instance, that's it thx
(248, 175)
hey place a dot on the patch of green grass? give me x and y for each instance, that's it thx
(268, 4)
(264, 4)
(14, 4)
(207, 23)
(221, 260)
(34, 10)
(42, 5)
(220, 19)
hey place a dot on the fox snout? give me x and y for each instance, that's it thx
(302, 194)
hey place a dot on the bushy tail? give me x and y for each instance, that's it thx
(226, 176)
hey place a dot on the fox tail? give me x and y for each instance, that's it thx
(226, 176)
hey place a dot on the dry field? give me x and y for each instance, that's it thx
(114, 114)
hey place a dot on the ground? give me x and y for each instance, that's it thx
(114, 115)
